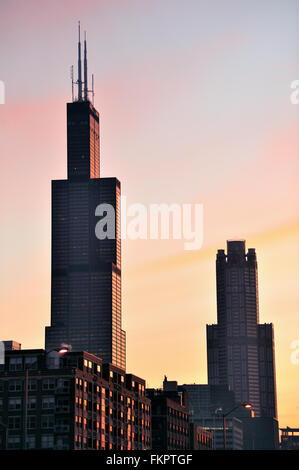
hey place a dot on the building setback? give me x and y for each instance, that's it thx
(73, 402)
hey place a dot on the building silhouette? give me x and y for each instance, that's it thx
(289, 438)
(86, 270)
(240, 350)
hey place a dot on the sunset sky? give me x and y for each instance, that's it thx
(194, 102)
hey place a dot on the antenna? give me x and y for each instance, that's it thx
(79, 67)
(92, 88)
(72, 77)
(85, 70)
(83, 90)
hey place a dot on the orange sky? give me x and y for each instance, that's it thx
(194, 108)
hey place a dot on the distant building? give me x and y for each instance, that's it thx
(170, 422)
(171, 428)
(205, 400)
(289, 438)
(260, 433)
(240, 350)
(12, 345)
(233, 433)
(200, 438)
(74, 401)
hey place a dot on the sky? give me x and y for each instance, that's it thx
(194, 102)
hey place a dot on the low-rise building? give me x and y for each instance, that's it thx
(200, 439)
(289, 438)
(73, 401)
(171, 427)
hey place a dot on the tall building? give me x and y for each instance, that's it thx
(86, 270)
(240, 350)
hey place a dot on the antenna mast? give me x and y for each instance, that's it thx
(83, 90)
(92, 89)
(85, 70)
(72, 77)
(79, 67)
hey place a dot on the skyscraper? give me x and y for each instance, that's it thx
(240, 350)
(85, 271)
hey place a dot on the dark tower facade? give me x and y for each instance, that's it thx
(240, 350)
(85, 270)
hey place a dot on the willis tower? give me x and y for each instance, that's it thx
(85, 270)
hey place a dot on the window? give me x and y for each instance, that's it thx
(62, 424)
(31, 403)
(63, 404)
(13, 442)
(62, 443)
(47, 421)
(63, 384)
(31, 362)
(15, 385)
(48, 384)
(14, 422)
(31, 422)
(14, 403)
(31, 442)
(48, 403)
(47, 441)
(15, 363)
(32, 385)
(87, 364)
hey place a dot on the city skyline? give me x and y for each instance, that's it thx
(266, 217)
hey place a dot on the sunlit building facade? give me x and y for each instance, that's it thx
(73, 402)
(86, 269)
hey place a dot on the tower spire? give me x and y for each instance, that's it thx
(85, 70)
(79, 66)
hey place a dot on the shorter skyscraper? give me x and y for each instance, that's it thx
(71, 402)
(240, 350)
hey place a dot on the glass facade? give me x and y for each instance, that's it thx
(86, 271)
